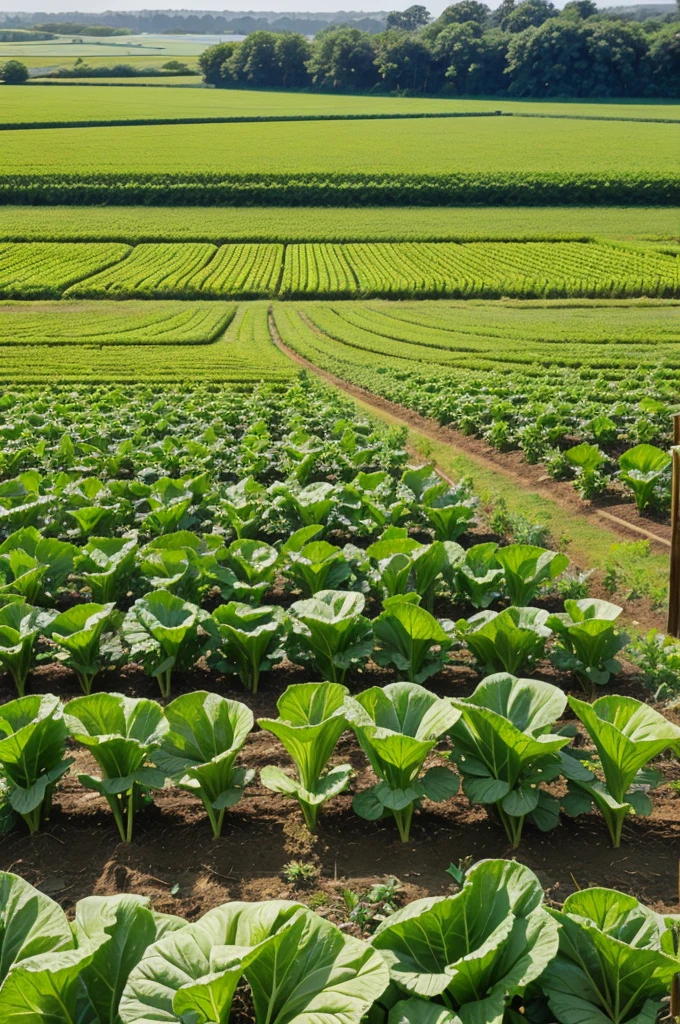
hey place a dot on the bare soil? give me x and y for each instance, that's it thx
(175, 860)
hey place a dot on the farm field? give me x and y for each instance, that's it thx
(352, 147)
(99, 103)
(317, 224)
(140, 46)
(399, 269)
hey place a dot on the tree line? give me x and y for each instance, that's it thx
(521, 49)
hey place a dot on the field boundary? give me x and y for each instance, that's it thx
(555, 491)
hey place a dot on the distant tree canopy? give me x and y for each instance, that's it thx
(520, 49)
(13, 72)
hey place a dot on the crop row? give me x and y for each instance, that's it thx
(399, 269)
(448, 365)
(485, 188)
(492, 951)
(244, 353)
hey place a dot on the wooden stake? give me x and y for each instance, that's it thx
(674, 580)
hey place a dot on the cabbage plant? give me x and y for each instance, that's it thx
(310, 723)
(205, 735)
(78, 632)
(105, 565)
(616, 960)
(254, 565)
(504, 748)
(588, 641)
(449, 517)
(20, 626)
(32, 567)
(330, 633)
(470, 953)
(477, 576)
(249, 640)
(398, 726)
(121, 733)
(163, 633)
(411, 639)
(403, 564)
(32, 754)
(627, 735)
(243, 507)
(526, 568)
(298, 966)
(508, 641)
(64, 973)
(643, 468)
(317, 566)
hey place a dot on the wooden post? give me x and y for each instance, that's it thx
(674, 580)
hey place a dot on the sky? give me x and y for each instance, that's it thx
(285, 6)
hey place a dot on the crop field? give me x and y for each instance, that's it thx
(135, 224)
(402, 269)
(99, 103)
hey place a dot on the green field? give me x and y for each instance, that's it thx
(314, 224)
(399, 147)
(99, 103)
(244, 354)
(116, 46)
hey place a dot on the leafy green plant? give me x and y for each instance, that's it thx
(310, 723)
(588, 641)
(254, 565)
(411, 639)
(317, 566)
(243, 508)
(477, 578)
(105, 565)
(657, 655)
(506, 641)
(163, 633)
(20, 626)
(526, 568)
(79, 631)
(504, 749)
(450, 518)
(627, 735)
(397, 727)
(54, 971)
(32, 566)
(643, 468)
(587, 460)
(121, 733)
(250, 640)
(297, 966)
(299, 872)
(330, 632)
(205, 735)
(472, 952)
(402, 564)
(616, 960)
(32, 754)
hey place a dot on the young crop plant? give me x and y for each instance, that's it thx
(465, 957)
(317, 566)
(506, 641)
(105, 565)
(411, 639)
(616, 960)
(526, 568)
(205, 735)
(78, 632)
(404, 565)
(251, 640)
(121, 733)
(615, 777)
(20, 626)
(397, 728)
(297, 966)
(504, 748)
(32, 567)
(164, 633)
(310, 723)
(645, 469)
(330, 633)
(32, 754)
(254, 564)
(478, 576)
(588, 641)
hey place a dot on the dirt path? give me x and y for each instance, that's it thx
(618, 517)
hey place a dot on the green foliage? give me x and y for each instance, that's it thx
(310, 723)
(526, 569)
(509, 641)
(205, 734)
(105, 565)
(79, 631)
(658, 658)
(397, 727)
(121, 733)
(642, 469)
(588, 641)
(20, 626)
(163, 633)
(330, 633)
(32, 567)
(410, 638)
(250, 640)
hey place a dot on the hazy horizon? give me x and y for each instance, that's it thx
(284, 6)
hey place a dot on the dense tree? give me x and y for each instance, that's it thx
(212, 60)
(410, 20)
(343, 59)
(13, 72)
(403, 61)
(664, 59)
(530, 14)
(459, 14)
(579, 9)
(292, 51)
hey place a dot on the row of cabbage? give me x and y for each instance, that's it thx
(542, 417)
(397, 270)
(492, 953)
(504, 741)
